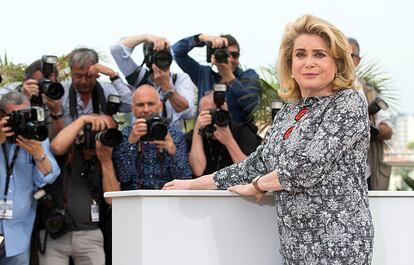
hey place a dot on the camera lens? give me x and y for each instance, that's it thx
(158, 131)
(221, 118)
(162, 59)
(110, 137)
(221, 55)
(54, 91)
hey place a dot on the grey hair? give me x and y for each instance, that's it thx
(83, 57)
(353, 41)
(13, 97)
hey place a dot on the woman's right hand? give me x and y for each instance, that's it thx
(178, 184)
(247, 190)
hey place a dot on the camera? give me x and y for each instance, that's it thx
(221, 54)
(53, 90)
(112, 104)
(162, 58)
(29, 123)
(377, 105)
(58, 223)
(157, 128)
(219, 116)
(109, 137)
(275, 107)
(1, 79)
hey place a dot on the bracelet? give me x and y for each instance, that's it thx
(256, 186)
(56, 116)
(40, 158)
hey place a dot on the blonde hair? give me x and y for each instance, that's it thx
(338, 46)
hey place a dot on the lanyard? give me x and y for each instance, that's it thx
(9, 168)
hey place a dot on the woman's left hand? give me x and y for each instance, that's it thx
(247, 190)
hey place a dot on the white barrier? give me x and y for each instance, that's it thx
(153, 227)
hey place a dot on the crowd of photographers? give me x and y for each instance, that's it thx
(62, 148)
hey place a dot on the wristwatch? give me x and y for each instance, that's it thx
(115, 77)
(56, 116)
(256, 186)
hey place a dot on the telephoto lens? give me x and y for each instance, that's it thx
(110, 137)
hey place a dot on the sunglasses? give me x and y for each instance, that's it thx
(235, 55)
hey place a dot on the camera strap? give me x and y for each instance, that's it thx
(9, 167)
(98, 101)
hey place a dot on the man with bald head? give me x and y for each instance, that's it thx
(140, 162)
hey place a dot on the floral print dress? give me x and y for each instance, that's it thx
(318, 147)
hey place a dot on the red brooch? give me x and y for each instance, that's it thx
(298, 116)
(301, 113)
(287, 133)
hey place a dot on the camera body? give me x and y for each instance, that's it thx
(377, 105)
(58, 223)
(109, 137)
(219, 116)
(53, 90)
(157, 128)
(29, 123)
(221, 54)
(112, 104)
(162, 58)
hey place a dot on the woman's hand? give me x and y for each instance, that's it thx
(247, 190)
(178, 184)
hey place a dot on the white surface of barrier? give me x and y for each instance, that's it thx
(153, 227)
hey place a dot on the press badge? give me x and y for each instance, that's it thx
(95, 211)
(6, 209)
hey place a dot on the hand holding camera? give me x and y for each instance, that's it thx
(160, 43)
(167, 144)
(223, 135)
(33, 147)
(5, 131)
(139, 129)
(30, 88)
(162, 77)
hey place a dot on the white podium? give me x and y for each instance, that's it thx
(153, 227)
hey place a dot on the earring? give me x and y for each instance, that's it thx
(284, 89)
(292, 76)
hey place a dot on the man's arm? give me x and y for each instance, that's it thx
(225, 137)
(109, 180)
(67, 136)
(186, 63)
(197, 156)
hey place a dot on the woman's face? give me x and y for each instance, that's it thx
(313, 67)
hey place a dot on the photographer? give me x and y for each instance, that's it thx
(151, 152)
(378, 172)
(213, 147)
(176, 90)
(35, 73)
(223, 52)
(71, 225)
(26, 165)
(84, 94)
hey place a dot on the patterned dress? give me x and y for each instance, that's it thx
(318, 147)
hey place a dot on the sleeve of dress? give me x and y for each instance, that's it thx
(343, 125)
(245, 171)
(187, 64)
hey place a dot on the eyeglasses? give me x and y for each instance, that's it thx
(235, 55)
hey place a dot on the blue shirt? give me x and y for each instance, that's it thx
(242, 94)
(25, 180)
(183, 84)
(149, 169)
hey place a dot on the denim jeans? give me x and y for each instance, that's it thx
(20, 259)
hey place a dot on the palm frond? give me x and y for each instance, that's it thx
(374, 76)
